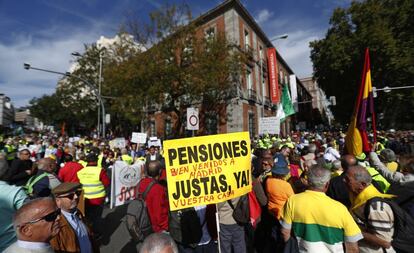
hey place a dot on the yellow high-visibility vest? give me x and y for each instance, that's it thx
(11, 153)
(100, 158)
(83, 163)
(376, 176)
(127, 159)
(92, 186)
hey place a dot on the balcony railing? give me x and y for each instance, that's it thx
(249, 51)
(252, 95)
(263, 64)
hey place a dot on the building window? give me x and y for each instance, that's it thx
(261, 53)
(210, 33)
(168, 127)
(249, 78)
(252, 125)
(264, 84)
(281, 77)
(152, 128)
(246, 39)
(211, 122)
(286, 79)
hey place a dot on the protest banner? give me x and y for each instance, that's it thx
(269, 125)
(139, 137)
(154, 141)
(117, 143)
(207, 170)
(125, 179)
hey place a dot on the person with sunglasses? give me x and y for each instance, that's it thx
(75, 235)
(36, 223)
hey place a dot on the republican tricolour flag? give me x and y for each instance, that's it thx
(356, 140)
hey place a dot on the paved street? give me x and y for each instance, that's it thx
(115, 236)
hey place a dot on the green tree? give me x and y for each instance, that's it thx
(386, 27)
(49, 109)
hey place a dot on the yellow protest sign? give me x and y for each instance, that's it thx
(208, 169)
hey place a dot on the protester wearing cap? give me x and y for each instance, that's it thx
(94, 180)
(389, 158)
(74, 235)
(277, 188)
(36, 223)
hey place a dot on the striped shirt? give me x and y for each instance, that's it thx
(320, 223)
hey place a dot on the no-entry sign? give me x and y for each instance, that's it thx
(192, 118)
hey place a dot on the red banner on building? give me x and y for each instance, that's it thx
(273, 77)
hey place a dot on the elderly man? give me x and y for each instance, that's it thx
(319, 223)
(74, 235)
(45, 179)
(378, 229)
(35, 223)
(12, 198)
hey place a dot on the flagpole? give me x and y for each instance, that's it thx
(218, 228)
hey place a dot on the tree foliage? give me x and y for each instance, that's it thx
(386, 27)
(178, 67)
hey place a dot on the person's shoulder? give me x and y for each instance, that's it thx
(14, 248)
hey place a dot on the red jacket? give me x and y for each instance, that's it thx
(157, 204)
(68, 172)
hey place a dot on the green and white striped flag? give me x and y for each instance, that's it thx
(285, 107)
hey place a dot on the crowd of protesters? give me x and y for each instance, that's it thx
(53, 190)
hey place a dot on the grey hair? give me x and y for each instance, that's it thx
(362, 175)
(388, 155)
(157, 242)
(312, 148)
(318, 177)
(336, 164)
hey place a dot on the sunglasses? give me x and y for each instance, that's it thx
(48, 218)
(71, 195)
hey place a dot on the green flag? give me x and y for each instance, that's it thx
(286, 107)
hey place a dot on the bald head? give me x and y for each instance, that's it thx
(46, 164)
(154, 168)
(30, 221)
(348, 161)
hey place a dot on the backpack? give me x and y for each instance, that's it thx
(185, 227)
(138, 222)
(255, 210)
(403, 238)
(405, 196)
(28, 188)
(241, 212)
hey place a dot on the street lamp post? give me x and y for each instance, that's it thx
(387, 89)
(77, 54)
(89, 84)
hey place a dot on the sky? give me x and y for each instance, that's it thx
(44, 33)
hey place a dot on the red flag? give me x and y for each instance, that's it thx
(273, 76)
(357, 138)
